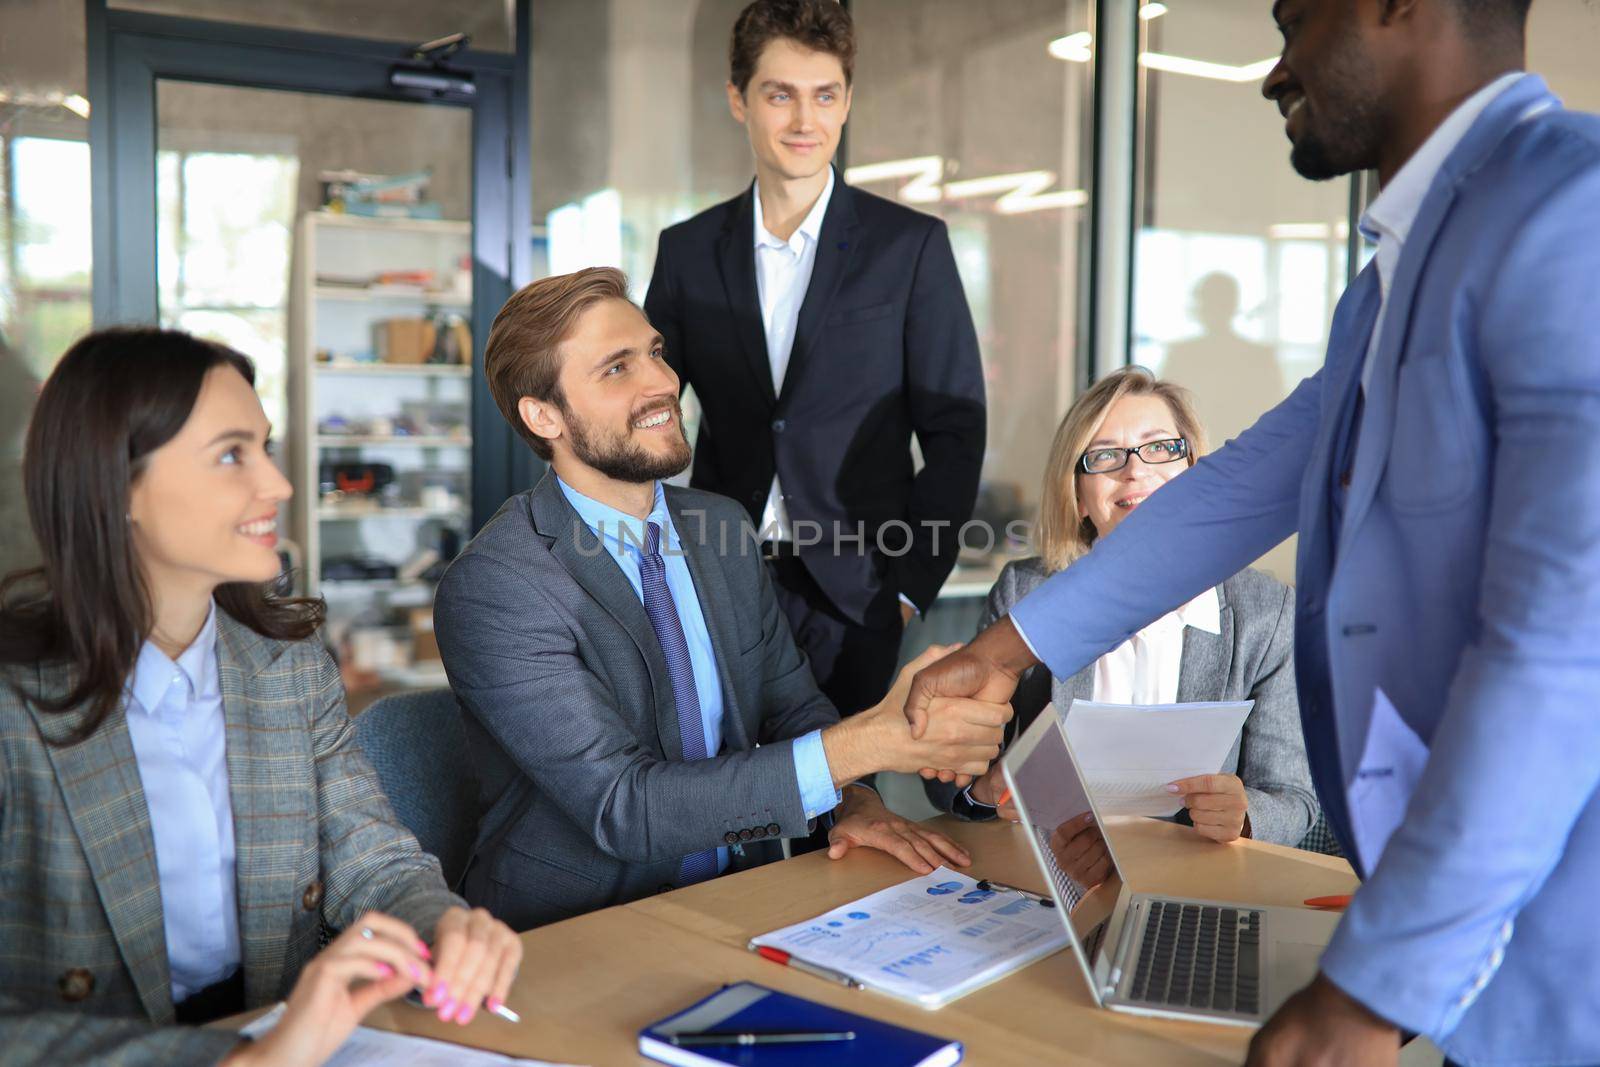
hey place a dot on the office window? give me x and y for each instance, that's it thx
(1239, 261)
(980, 114)
(46, 246)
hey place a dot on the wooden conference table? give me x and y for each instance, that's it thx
(588, 985)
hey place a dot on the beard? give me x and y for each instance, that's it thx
(1342, 134)
(622, 459)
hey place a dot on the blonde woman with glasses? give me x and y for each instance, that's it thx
(1122, 440)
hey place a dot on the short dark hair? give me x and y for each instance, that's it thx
(523, 356)
(817, 25)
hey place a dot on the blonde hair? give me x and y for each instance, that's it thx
(1062, 534)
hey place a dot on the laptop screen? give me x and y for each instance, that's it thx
(1054, 801)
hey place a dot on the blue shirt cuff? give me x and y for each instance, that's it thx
(908, 602)
(817, 793)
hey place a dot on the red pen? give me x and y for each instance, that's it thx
(1339, 900)
(778, 955)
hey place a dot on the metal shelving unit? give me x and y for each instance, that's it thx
(413, 419)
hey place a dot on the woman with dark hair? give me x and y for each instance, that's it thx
(182, 803)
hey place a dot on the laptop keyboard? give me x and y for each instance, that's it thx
(1200, 956)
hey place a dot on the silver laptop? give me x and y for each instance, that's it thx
(1152, 955)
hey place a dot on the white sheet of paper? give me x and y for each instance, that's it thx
(1391, 763)
(929, 940)
(379, 1048)
(1129, 752)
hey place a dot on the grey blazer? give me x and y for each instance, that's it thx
(1252, 659)
(586, 798)
(83, 955)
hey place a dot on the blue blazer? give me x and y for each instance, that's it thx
(1458, 574)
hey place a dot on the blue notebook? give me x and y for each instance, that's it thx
(746, 1006)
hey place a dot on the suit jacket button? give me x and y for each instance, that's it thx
(311, 899)
(758, 832)
(779, 425)
(731, 837)
(745, 835)
(76, 984)
(774, 829)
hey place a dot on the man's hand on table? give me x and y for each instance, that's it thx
(865, 823)
(1321, 1026)
(985, 669)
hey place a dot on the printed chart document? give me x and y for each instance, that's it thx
(366, 1047)
(1129, 752)
(929, 940)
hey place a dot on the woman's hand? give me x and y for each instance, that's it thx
(990, 788)
(378, 959)
(475, 960)
(1217, 804)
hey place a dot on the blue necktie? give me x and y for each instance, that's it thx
(658, 604)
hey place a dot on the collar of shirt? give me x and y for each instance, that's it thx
(1204, 612)
(810, 227)
(153, 671)
(1389, 217)
(619, 530)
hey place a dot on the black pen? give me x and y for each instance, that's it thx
(735, 1037)
(989, 885)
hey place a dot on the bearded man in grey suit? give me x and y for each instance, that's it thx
(641, 716)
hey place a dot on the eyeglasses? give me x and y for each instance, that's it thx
(1106, 460)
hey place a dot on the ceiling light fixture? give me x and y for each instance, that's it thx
(1015, 194)
(1078, 48)
(1153, 10)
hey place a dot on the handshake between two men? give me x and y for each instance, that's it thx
(918, 728)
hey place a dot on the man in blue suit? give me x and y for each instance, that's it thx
(1443, 473)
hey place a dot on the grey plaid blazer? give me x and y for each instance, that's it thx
(1251, 659)
(83, 958)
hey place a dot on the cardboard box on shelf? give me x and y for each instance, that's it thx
(403, 340)
(424, 644)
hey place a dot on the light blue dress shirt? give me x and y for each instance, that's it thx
(175, 721)
(623, 536)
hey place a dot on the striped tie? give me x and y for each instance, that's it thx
(697, 866)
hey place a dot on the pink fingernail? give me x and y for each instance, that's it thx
(1172, 787)
(422, 949)
(435, 995)
(495, 1003)
(384, 970)
(464, 1016)
(447, 1009)
(416, 973)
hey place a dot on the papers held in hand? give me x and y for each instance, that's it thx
(1129, 752)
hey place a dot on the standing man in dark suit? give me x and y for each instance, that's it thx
(822, 327)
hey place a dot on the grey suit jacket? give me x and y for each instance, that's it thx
(587, 800)
(83, 954)
(1252, 659)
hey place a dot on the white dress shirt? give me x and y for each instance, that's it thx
(1144, 669)
(1387, 220)
(178, 731)
(783, 273)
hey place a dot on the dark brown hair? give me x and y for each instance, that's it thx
(115, 397)
(523, 356)
(816, 25)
